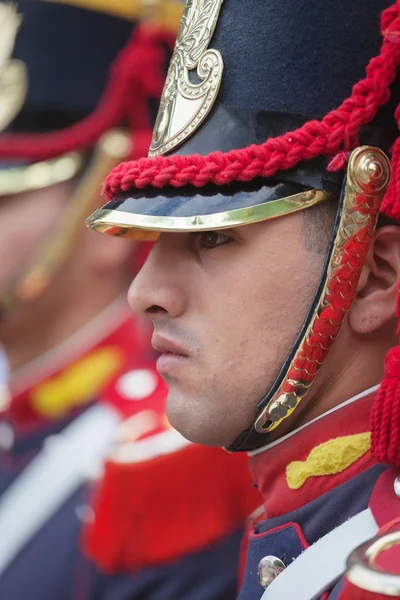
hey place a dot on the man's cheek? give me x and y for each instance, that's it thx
(17, 258)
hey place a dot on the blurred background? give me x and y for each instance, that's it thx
(99, 497)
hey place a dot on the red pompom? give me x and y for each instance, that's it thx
(158, 510)
(385, 427)
(385, 416)
(391, 202)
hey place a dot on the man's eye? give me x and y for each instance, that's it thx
(212, 239)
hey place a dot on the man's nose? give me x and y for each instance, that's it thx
(156, 291)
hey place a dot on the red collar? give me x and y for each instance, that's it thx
(316, 458)
(59, 385)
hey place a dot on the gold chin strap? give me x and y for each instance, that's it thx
(165, 13)
(112, 147)
(368, 175)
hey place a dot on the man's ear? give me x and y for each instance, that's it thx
(375, 302)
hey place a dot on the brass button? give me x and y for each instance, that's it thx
(269, 568)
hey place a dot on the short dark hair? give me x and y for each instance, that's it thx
(318, 222)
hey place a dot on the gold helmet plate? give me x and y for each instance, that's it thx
(186, 102)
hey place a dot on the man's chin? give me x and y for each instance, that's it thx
(195, 422)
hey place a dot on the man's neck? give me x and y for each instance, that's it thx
(342, 379)
(351, 368)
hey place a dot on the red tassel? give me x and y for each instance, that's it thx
(391, 203)
(159, 510)
(385, 414)
(385, 428)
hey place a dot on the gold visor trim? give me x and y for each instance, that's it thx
(368, 175)
(16, 180)
(131, 225)
(364, 572)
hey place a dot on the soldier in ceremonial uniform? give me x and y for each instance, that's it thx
(273, 283)
(97, 491)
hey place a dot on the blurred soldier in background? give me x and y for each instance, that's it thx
(157, 520)
(4, 374)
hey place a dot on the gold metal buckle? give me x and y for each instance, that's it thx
(363, 570)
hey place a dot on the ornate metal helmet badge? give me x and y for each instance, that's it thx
(193, 79)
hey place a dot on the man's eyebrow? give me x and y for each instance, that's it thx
(228, 231)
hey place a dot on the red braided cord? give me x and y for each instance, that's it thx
(385, 414)
(338, 131)
(391, 205)
(137, 74)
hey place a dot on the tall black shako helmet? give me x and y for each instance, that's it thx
(72, 73)
(259, 118)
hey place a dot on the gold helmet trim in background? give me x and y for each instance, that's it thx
(166, 13)
(16, 180)
(13, 73)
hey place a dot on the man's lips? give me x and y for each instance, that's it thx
(172, 353)
(165, 345)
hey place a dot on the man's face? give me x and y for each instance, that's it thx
(226, 307)
(25, 220)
